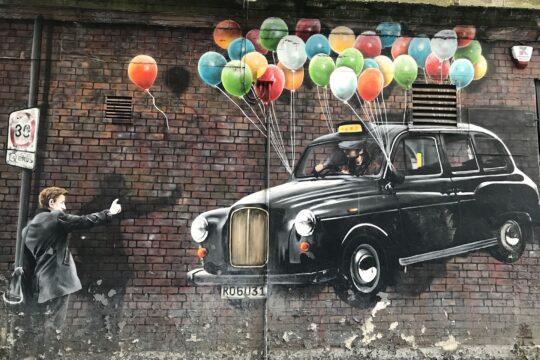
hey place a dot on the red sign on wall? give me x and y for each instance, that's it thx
(22, 138)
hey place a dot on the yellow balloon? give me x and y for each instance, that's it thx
(387, 68)
(256, 62)
(341, 38)
(480, 68)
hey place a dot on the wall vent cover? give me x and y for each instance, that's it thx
(119, 109)
(434, 104)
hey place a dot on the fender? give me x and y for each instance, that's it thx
(521, 217)
(368, 229)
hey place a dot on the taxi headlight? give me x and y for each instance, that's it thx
(305, 222)
(199, 229)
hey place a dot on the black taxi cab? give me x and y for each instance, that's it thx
(364, 201)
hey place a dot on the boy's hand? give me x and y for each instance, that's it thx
(115, 208)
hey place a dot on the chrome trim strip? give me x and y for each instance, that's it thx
(363, 225)
(438, 254)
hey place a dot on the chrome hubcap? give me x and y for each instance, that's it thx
(510, 234)
(365, 269)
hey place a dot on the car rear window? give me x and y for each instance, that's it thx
(417, 156)
(491, 153)
(460, 153)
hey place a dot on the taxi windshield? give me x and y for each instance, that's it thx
(361, 157)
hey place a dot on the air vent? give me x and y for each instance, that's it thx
(118, 109)
(434, 104)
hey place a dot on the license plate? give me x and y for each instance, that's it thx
(243, 292)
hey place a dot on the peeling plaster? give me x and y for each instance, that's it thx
(393, 326)
(409, 340)
(448, 345)
(349, 341)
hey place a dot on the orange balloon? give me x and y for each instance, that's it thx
(225, 32)
(370, 84)
(142, 71)
(293, 78)
(256, 62)
(341, 38)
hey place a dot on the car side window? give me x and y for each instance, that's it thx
(491, 153)
(417, 155)
(460, 153)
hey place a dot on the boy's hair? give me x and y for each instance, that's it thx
(50, 193)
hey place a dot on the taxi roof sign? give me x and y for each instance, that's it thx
(349, 128)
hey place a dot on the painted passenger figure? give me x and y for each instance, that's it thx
(349, 157)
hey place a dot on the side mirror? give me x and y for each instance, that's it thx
(395, 177)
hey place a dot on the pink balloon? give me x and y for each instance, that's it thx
(253, 36)
(369, 44)
(307, 27)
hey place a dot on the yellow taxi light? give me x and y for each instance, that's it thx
(419, 160)
(350, 128)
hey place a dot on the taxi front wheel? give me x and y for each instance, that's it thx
(511, 241)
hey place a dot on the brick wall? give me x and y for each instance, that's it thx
(135, 293)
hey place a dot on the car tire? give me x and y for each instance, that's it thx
(364, 271)
(512, 237)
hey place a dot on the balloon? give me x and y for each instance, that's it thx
(444, 44)
(270, 85)
(405, 71)
(210, 67)
(343, 83)
(142, 71)
(461, 73)
(465, 34)
(236, 78)
(437, 69)
(386, 66)
(351, 58)
(307, 27)
(419, 49)
(225, 32)
(272, 30)
(400, 46)
(480, 68)
(291, 52)
(293, 78)
(341, 38)
(370, 84)
(388, 32)
(369, 44)
(317, 44)
(472, 52)
(240, 47)
(253, 36)
(370, 63)
(320, 68)
(256, 62)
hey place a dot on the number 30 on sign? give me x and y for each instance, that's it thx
(22, 138)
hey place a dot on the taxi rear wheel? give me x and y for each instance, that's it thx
(364, 271)
(511, 241)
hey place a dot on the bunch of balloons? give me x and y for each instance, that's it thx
(360, 65)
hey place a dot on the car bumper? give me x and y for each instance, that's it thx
(202, 277)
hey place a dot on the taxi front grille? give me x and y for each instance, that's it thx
(249, 237)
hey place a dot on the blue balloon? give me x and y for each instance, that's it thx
(388, 32)
(419, 49)
(210, 67)
(370, 63)
(240, 47)
(461, 73)
(317, 44)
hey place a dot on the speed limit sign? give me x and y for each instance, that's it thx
(22, 138)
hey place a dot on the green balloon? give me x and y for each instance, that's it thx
(472, 52)
(236, 78)
(272, 30)
(405, 71)
(351, 58)
(320, 69)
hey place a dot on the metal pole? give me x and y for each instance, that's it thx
(26, 175)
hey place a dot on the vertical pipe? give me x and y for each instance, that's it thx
(26, 175)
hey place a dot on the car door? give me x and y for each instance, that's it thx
(428, 205)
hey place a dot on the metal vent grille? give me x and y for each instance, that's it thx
(434, 104)
(118, 109)
(249, 237)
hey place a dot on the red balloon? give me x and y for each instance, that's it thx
(437, 69)
(370, 84)
(400, 46)
(465, 35)
(142, 71)
(307, 27)
(369, 44)
(270, 84)
(253, 36)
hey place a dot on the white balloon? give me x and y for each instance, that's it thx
(291, 52)
(343, 82)
(444, 44)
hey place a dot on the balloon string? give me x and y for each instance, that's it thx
(158, 109)
(405, 111)
(242, 110)
(254, 113)
(323, 110)
(327, 104)
(282, 143)
(278, 147)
